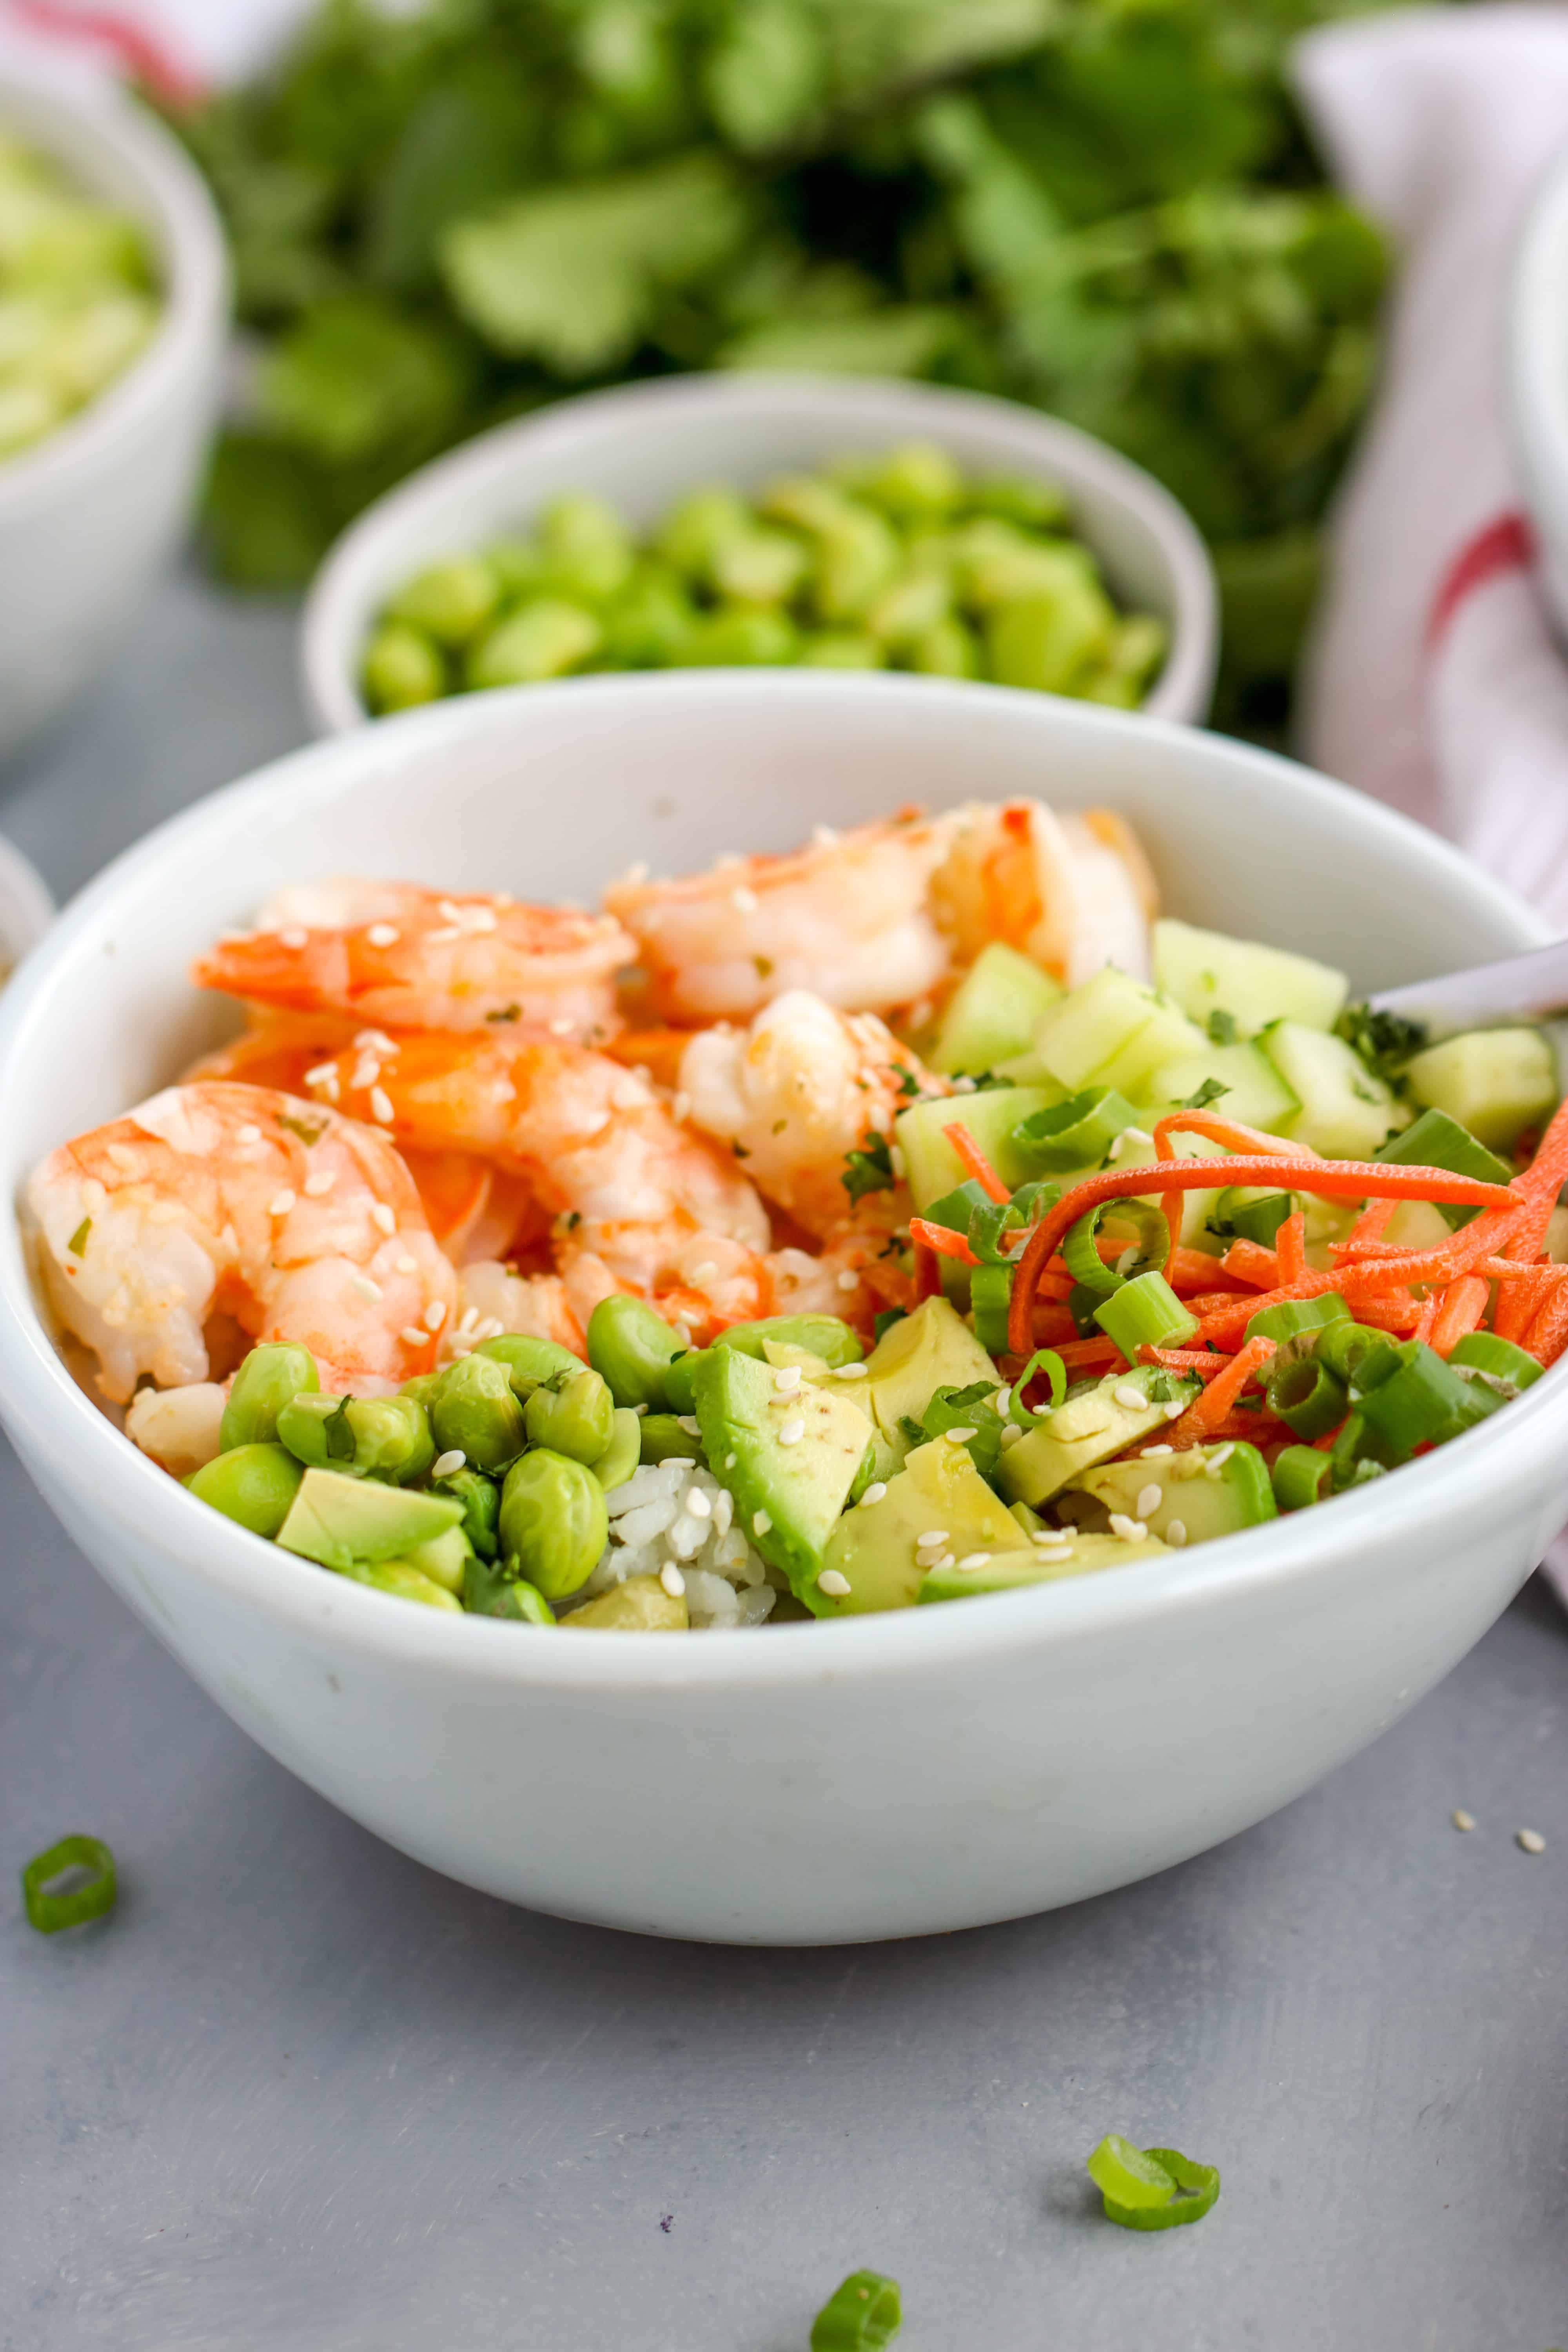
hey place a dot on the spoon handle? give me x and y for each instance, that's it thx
(1532, 987)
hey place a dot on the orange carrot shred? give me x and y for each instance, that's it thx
(1462, 1305)
(942, 1240)
(975, 1159)
(1203, 1415)
(1291, 1247)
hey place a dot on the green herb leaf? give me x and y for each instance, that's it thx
(1222, 1027)
(78, 1241)
(337, 1434)
(868, 1170)
(1210, 1091)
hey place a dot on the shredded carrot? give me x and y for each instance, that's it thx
(942, 1240)
(1196, 1360)
(975, 1159)
(1461, 1310)
(1291, 1247)
(1205, 1414)
(1215, 1128)
(1545, 1176)
(1368, 1227)
(1191, 1269)
(1090, 1351)
(1250, 1263)
(1548, 1333)
(1428, 1315)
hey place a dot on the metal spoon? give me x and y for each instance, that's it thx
(1532, 987)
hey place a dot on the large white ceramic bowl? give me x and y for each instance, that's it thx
(1536, 364)
(643, 446)
(89, 514)
(26, 910)
(801, 1783)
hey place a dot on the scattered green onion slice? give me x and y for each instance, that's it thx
(1483, 1351)
(1419, 1403)
(1436, 1141)
(1301, 1475)
(1077, 1133)
(1047, 1360)
(1151, 2187)
(1255, 1220)
(955, 1208)
(990, 1294)
(1346, 1347)
(1291, 1316)
(861, 2315)
(1352, 1450)
(1081, 1249)
(69, 1907)
(1146, 1312)
(1308, 1397)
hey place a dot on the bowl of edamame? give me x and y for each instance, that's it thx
(768, 521)
(113, 310)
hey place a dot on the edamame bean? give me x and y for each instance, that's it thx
(492, 1590)
(624, 1452)
(632, 1348)
(401, 669)
(741, 636)
(317, 1433)
(402, 1579)
(444, 1559)
(474, 1411)
(588, 550)
(381, 1437)
(553, 1521)
(252, 1483)
(542, 638)
(828, 1336)
(421, 1388)
(480, 1500)
(263, 1385)
(679, 1389)
(531, 1363)
(452, 602)
(578, 1418)
(664, 1440)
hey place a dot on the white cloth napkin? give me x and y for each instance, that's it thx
(178, 47)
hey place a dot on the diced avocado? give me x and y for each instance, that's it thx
(403, 1579)
(1206, 971)
(780, 1354)
(1346, 1111)
(928, 1349)
(791, 1455)
(930, 1163)
(1206, 1491)
(828, 1336)
(1010, 1571)
(1089, 1428)
(992, 1013)
(873, 1547)
(640, 1605)
(338, 1520)
(1255, 1092)
(1493, 1081)
(444, 1559)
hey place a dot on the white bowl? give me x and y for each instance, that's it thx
(89, 514)
(803, 1783)
(26, 910)
(641, 447)
(1537, 378)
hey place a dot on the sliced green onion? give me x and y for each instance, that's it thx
(1146, 1313)
(990, 1294)
(69, 1907)
(1033, 1199)
(1255, 1220)
(1077, 1133)
(987, 1226)
(1307, 1397)
(1353, 1450)
(1436, 1141)
(1499, 1360)
(1083, 1305)
(1150, 1245)
(861, 2315)
(955, 1208)
(1345, 1347)
(1151, 2187)
(884, 1320)
(1301, 1475)
(1047, 1360)
(1291, 1316)
(1419, 1403)
(1374, 1366)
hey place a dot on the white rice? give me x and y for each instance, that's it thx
(651, 1527)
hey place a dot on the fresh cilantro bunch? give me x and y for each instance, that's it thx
(444, 217)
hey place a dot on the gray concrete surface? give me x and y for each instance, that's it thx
(301, 2096)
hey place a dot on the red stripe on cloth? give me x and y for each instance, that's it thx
(1508, 544)
(136, 48)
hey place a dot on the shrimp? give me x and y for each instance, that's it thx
(1073, 892)
(393, 953)
(216, 1200)
(795, 1092)
(846, 917)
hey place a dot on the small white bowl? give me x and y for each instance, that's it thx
(1537, 378)
(26, 910)
(801, 1783)
(643, 446)
(89, 514)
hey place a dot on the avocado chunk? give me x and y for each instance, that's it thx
(791, 1457)
(1204, 1491)
(1010, 1571)
(337, 1520)
(1089, 1428)
(640, 1605)
(929, 1349)
(874, 1545)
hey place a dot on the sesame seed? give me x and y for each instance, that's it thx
(482, 918)
(835, 1583)
(365, 1286)
(445, 1464)
(848, 1279)
(281, 1203)
(960, 1436)
(964, 1086)
(729, 1458)
(823, 836)
(1149, 1451)
(761, 1522)
(1150, 1498)
(365, 1071)
(406, 1263)
(375, 1041)
(1463, 1820)
(248, 1134)
(382, 1218)
(1127, 1530)
(706, 1272)
(975, 1559)
(1218, 1460)
(792, 1431)
(1011, 1436)
(937, 1536)
(1003, 1400)
(744, 901)
(874, 1492)
(316, 1187)
(787, 1377)
(1174, 1410)
(698, 1503)
(293, 938)
(850, 1372)
(383, 935)
(896, 1159)
(672, 1579)
(562, 1027)
(381, 1106)
(435, 1315)
(444, 939)
(319, 1076)
(1530, 1840)
(1133, 1399)
(690, 1423)
(1051, 1536)
(1176, 1532)
(412, 1336)
(947, 1560)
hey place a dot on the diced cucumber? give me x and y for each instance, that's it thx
(992, 1013)
(1113, 1030)
(1255, 1092)
(1206, 971)
(1346, 1111)
(930, 1163)
(1493, 1081)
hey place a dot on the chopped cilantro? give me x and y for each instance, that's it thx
(909, 1085)
(1384, 1040)
(506, 1012)
(1222, 1027)
(868, 1170)
(1210, 1091)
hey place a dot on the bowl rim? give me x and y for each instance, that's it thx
(357, 558)
(27, 903)
(48, 1412)
(174, 199)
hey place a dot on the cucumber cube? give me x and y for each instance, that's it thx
(1255, 1092)
(992, 1012)
(1206, 972)
(930, 1163)
(1346, 1111)
(1114, 1031)
(1493, 1081)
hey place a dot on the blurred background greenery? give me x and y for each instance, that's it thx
(1107, 208)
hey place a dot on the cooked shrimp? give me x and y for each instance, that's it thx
(394, 953)
(795, 1092)
(1073, 892)
(844, 917)
(231, 1200)
(491, 1298)
(625, 1181)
